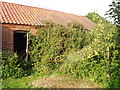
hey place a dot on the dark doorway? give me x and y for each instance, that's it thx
(20, 39)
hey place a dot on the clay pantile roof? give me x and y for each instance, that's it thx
(27, 15)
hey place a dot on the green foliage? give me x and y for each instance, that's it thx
(23, 82)
(114, 12)
(48, 50)
(73, 51)
(10, 66)
(96, 18)
(99, 60)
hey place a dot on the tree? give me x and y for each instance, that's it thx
(114, 12)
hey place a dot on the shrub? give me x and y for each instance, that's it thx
(99, 60)
(78, 53)
(96, 18)
(49, 48)
(10, 66)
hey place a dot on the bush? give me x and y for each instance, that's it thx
(78, 53)
(10, 65)
(49, 48)
(99, 60)
(96, 18)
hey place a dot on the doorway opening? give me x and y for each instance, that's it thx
(20, 43)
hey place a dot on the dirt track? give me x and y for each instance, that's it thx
(57, 81)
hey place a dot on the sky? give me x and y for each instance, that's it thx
(78, 7)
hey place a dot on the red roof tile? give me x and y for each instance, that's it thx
(27, 15)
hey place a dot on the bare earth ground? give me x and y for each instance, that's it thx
(57, 81)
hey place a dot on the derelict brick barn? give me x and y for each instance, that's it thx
(17, 19)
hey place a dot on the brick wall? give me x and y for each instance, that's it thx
(8, 34)
(7, 39)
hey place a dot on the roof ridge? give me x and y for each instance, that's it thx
(43, 8)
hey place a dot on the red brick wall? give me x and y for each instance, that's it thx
(7, 39)
(8, 34)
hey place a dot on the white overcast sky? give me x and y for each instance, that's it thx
(78, 7)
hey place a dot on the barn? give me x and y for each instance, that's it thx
(17, 19)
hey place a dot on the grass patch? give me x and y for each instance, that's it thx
(24, 82)
(48, 79)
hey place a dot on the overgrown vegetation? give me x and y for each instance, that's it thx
(77, 52)
(96, 18)
(48, 50)
(13, 66)
(10, 65)
(99, 60)
(72, 51)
